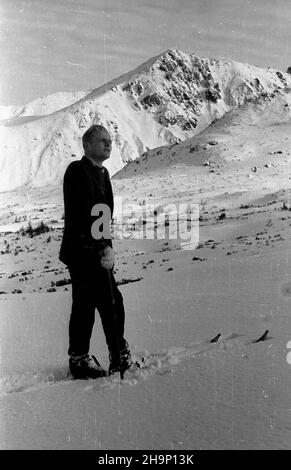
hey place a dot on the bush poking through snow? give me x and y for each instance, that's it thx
(32, 232)
(222, 216)
(61, 282)
(286, 206)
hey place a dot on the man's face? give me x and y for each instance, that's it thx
(100, 146)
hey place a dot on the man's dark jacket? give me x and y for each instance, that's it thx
(84, 186)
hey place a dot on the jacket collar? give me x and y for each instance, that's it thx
(91, 163)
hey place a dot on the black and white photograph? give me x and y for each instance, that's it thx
(145, 227)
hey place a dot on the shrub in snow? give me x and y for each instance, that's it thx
(286, 206)
(32, 232)
(61, 282)
(51, 289)
(222, 216)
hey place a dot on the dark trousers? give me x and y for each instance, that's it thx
(90, 290)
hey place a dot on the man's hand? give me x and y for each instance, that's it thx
(107, 258)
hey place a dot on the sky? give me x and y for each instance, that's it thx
(74, 45)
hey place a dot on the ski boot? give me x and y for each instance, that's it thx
(123, 362)
(85, 367)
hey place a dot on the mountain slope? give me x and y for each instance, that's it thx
(254, 134)
(10, 115)
(170, 98)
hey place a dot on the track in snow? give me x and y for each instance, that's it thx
(149, 364)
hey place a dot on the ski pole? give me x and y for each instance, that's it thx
(115, 323)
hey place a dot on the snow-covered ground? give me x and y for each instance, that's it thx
(193, 393)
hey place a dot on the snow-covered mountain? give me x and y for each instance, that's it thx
(166, 100)
(10, 115)
(245, 137)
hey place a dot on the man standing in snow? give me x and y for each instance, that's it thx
(90, 261)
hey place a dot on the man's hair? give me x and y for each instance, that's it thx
(87, 136)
